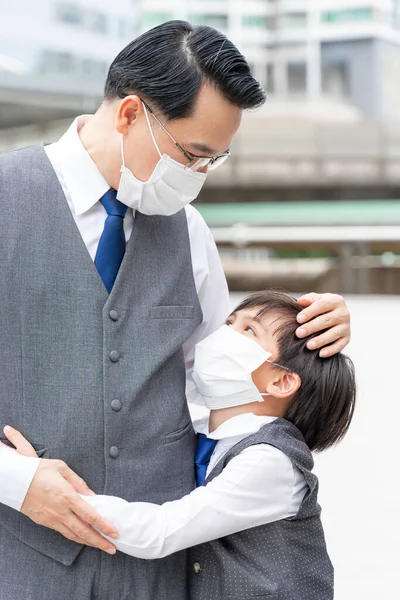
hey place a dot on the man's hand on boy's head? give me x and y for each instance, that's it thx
(321, 312)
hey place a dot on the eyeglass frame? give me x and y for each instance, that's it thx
(192, 158)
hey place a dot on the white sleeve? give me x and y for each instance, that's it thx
(16, 475)
(255, 488)
(213, 294)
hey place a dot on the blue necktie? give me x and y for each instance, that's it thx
(112, 244)
(204, 450)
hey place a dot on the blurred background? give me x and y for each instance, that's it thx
(309, 201)
(311, 196)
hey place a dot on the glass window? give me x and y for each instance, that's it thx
(151, 19)
(353, 14)
(294, 20)
(126, 29)
(217, 21)
(335, 80)
(297, 77)
(255, 22)
(94, 69)
(69, 13)
(97, 22)
(57, 62)
(270, 78)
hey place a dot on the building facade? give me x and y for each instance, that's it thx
(348, 50)
(62, 45)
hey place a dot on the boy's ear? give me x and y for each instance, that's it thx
(284, 385)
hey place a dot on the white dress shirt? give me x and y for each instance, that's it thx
(83, 186)
(258, 486)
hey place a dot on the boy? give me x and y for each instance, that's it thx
(254, 528)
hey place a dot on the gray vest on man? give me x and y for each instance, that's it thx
(95, 380)
(284, 560)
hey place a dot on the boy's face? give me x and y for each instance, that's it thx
(260, 330)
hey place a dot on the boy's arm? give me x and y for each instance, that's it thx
(16, 475)
(255, 488)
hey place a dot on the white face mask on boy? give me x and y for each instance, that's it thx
(170, 188)
(224, 362)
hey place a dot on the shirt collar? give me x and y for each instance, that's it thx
(241, 425)
(84, 182)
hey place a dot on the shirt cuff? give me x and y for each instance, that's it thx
(16, 475)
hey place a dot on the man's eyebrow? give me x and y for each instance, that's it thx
(198, 147)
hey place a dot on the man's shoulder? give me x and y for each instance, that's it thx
(18, 156)
(194, 219)
(199, 232)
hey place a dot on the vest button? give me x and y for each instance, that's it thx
(114, 316)
(116, 404)
(197, 567)
(114, 451)
(114, 356)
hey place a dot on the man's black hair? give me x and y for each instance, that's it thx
(168, 65)
(323, 407)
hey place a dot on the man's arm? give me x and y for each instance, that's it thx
(213, 294)
(47, 491)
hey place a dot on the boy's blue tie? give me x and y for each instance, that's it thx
(112, 244)
(204, 450)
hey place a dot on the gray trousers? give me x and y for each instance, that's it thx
(28, 575)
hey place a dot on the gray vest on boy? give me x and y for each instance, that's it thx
(95, 380)
(284, 560)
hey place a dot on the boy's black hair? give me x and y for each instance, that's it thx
(323, 407)
(168, 65)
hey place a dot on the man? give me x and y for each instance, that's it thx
(95, 338)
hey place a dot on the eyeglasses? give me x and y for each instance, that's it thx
(195, 163)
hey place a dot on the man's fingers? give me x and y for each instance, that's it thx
(319, 307)
(308, 299)
(17, 439)
(326, 321)
(77, 482)
(335, 348)
(69, 534)
(88, 515)
(325, 304)
(89, 535)
(327, 338)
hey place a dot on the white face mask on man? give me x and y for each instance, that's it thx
(223, 364)
(170, 188)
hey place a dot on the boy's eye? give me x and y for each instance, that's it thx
(250, 330)
(247, 329)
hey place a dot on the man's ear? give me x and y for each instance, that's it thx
(128, 111)
(284, 385)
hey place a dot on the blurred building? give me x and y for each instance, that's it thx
(245, 23)
(54, 55)
(343, 49)
(328, 132)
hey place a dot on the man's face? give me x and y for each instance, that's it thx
(207, 133)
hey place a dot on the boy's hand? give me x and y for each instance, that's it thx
(53, 500)
(321, 312)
